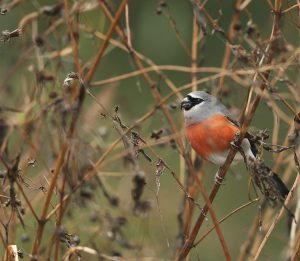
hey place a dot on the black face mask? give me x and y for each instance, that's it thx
(190, 102)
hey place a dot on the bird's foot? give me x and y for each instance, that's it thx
(233, 144)
(219, 180)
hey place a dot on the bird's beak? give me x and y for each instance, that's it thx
(186, 104)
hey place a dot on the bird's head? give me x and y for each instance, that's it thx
(199, 105)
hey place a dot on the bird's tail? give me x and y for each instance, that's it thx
(269, 183)
(282, 188)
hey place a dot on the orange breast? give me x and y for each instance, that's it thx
(212, 135)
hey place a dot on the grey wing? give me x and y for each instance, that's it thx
(248, 135)
(233, 121)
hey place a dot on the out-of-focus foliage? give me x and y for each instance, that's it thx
(96, 159)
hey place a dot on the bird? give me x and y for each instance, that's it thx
(211, 131)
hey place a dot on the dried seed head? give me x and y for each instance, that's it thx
(7, 35)
(3, 174)
(22, 211)
(159, 10)
(72, 76)
(162, 3)
(114, 201)
(116, 109)
(139, 181)
(31, 162)
(3, 11)
(39, 41)
(43, 76)
(237, 26)
(250, 27)
(52, 10)
(20, 254)
(156, 134)
(53, 95)
(75, 240)
(142, 208)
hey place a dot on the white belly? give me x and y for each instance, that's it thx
(220, 158)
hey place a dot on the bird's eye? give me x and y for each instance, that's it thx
(199, 100)
(194, 100)
(189, 102)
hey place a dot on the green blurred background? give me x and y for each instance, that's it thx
(153, 36)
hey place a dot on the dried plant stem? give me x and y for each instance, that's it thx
(159, 68)
(61, 211)
(253, 231)
(43, 125)
(2, 239)
(74, 42)
(27, 201)
(225, 218)
(291, 8)
(277, 218)
(43, 220)
(194, 53)
(253, 237)
(25, 54)
(128, 26)
(231, 36)
(244, 250)
(65, 146)
(11, 253)
(100, 53)
(188, 207)
(294, 236)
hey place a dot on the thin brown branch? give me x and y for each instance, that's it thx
(27, 201)
(110, 31)
(277, 218)
(225, 218)
(74, 42)
(290, 8)
(231, 36)
(56, 172)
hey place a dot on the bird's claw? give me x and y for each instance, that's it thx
(233, 144)
(219, 180)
